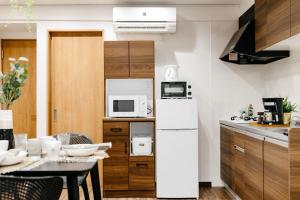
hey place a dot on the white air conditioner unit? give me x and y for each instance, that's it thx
(144, 19)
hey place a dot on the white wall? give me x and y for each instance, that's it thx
(245, 4)
(203, 31)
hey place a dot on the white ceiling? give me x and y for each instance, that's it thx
(130, 2)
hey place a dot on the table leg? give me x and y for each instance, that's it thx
(73, 189)
(96, 182)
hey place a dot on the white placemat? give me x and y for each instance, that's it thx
(11, 168)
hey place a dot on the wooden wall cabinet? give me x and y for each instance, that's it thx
(295, 17)
(273, 22)
(245, 173)
(116, 60)
(129, 59)
(276, 172)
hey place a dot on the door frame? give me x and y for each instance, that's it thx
(49, 89)
(1, 68)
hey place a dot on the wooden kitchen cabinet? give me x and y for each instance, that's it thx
(278, 21)
(125, 175)
(141, 59)
(115, 168)
(242, 163)
(141, 173)
(261, 29)
(239, 166)
(295, 17)
(273, 22)
(129, 59)
(276, 172)
(227, 156)
(253, 169)
(116, 59)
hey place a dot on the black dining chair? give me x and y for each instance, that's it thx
(77, 138)
(33, 188)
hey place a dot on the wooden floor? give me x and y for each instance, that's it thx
(215, 193)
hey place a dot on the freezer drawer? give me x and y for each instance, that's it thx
(177, 164)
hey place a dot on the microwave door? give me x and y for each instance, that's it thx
(123, 108)
(123, 105)
(175, 89)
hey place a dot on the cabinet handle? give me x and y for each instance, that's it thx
(141, 165)
(238, 148)
(55, 115)
(116, 130)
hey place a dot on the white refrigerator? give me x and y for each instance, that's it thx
(177, 148)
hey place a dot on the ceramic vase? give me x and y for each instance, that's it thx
(6, 127)
(287, 118)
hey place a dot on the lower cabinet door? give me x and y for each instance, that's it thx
(276, 172)
(239, 166)
(115, 168)
(227, 156)
(253, 171)
(141, 175)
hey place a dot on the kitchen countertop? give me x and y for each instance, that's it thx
(270, 132)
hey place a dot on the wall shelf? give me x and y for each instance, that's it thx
(146, 119)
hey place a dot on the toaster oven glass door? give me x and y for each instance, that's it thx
(123, 106)
(173, 89)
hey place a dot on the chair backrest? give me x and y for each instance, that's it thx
(21, 188)
(76, 138)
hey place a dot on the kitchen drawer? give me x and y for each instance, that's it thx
(141, 175)
(115, 128)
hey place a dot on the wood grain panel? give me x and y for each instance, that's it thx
(261, 29)
(278, 21)
(295, 17)
(115, 128)
(115, 168)
(24, 109)
(253, 173)
(141, 55)
(116, 59)
(227, 156)
(77, 83)
(239, 167)
(294, 161)
(141, 175)
(276, 181)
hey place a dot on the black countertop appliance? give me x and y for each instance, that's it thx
(275, 106)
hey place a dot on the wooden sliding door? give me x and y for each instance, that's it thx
(76, 83)
(24, 109)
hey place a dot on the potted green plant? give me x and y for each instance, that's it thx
(288, 108)
(10, 90)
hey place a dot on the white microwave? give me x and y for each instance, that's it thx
(127, 106)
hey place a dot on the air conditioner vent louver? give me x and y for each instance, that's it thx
(142, 27)
(144, 19)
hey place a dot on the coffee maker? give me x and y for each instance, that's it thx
(274, 110)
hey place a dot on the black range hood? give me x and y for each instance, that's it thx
(241, 47)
